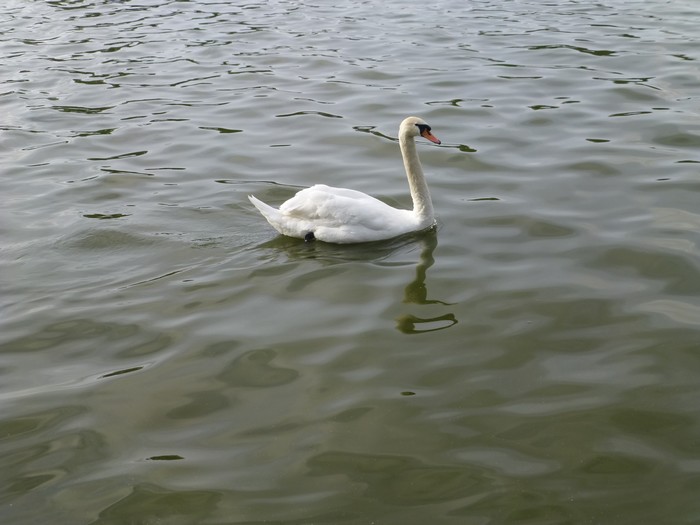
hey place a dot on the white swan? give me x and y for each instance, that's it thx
(339, 215)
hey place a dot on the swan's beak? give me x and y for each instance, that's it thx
(427, 135)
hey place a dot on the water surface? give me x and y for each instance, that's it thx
(165, 357)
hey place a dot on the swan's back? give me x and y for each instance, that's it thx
(337, 215)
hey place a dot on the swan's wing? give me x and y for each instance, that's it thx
(335, 206)
(338, 215)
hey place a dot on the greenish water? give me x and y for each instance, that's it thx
(166, 358)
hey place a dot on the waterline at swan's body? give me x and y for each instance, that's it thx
(340, 215)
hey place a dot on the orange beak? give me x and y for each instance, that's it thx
(427, 135)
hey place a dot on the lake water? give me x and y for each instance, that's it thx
(165, 357)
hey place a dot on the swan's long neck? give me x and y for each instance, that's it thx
(422, 204)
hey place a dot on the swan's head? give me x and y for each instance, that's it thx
(415, 126)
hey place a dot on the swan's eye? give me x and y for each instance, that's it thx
(423, 128)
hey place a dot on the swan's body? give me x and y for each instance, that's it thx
(339, 215)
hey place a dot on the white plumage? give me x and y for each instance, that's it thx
(340, 215)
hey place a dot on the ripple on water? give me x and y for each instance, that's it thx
(166, 356)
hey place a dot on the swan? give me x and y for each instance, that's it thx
(343, 216)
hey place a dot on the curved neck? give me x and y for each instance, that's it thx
(422, 204)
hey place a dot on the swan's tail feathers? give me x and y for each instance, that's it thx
(267, 210)
(270, 213)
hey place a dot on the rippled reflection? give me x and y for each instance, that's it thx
(417, 293)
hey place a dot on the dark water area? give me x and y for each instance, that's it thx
(166, 357)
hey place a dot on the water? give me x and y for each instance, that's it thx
(166, 358)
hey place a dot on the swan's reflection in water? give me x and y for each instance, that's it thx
(410, 324)
(417, 293)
